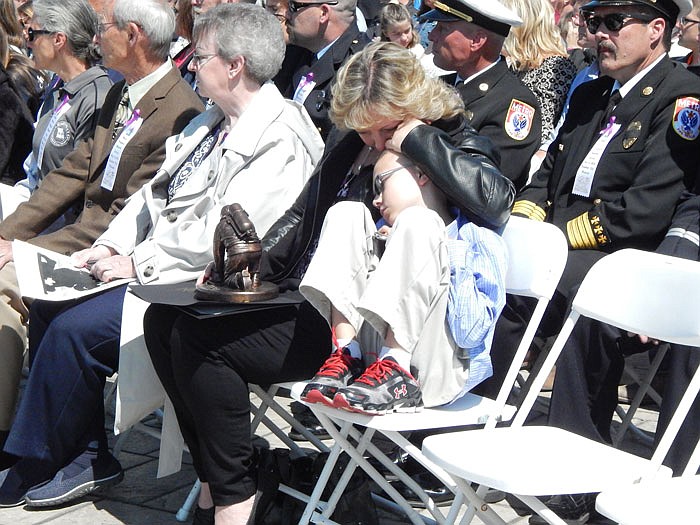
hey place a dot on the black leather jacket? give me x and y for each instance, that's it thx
(459, 161)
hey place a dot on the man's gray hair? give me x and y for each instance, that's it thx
(345, 9)
(74, 18)
(245, 30)
(154, 17)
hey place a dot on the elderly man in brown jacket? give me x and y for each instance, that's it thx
(127, 148)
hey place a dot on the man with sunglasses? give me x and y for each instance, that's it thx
(627, 149)
(328, 32)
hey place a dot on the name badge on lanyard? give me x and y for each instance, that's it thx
(584, 176)
(306, 86)
(61, 110)
(131, 126)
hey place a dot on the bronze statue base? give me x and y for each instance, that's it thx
(223, 294)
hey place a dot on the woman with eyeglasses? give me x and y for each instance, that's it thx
(60, 35)
(689, 33)
(205, 365)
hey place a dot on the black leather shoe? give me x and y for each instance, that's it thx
(432, 487)
(574, 509)
(303, 415)
(203, 516)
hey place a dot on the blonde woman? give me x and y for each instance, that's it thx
(381, 99)
(536, 53)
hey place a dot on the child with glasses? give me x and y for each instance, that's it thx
(403, 319)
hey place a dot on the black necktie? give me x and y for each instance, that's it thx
(613, 101)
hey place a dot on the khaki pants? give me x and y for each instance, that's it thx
(407, 291)
(13, 339)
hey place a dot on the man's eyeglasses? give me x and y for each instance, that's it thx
(614, 21)
(199, 61)
(33, 33)
(298, 6)
(103, 26)
(381, 178)
(688, 21)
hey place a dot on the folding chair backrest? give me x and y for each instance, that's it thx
(641, 292)
(536, 257)
(537, 253)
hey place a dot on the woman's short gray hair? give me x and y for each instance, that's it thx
(154, 17)
(74, 18)
(245, 30)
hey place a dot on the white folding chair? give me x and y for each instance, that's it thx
(537, 256)
(637, 291)
(644, 389)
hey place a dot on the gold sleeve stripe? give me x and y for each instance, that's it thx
(580, 233)
(529, 209)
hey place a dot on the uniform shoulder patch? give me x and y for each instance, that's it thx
(519, 119)
(686, 117)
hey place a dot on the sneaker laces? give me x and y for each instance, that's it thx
(377, 372)
(337, 364)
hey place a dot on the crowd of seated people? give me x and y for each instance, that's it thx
(128, 124)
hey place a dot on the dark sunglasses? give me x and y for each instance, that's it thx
(381, 178)
(298, 6)
(33, 33)
(614, 21)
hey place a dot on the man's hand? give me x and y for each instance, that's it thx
(89, 256)
(206, 274)
(115, 267)
(644, 339)
(5, 253)
(394, 143)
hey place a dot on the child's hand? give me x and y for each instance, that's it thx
(394, 143)
(384, 230)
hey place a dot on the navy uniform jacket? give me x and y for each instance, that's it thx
(640, 175)
(492, 100)
(317, 103)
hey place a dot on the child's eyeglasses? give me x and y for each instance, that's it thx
(380, 178)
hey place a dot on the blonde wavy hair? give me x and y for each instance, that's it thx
(536, 39)
(385, 81)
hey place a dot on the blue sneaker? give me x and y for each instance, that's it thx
(75, 481)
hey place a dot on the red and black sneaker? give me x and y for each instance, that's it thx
(338, 371)
(384, 387)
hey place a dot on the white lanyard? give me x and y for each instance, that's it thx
(130, 128)
(584, 175)
(61, 110)
(306, 85)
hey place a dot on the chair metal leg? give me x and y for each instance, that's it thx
(184, 513)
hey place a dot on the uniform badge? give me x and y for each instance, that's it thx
(61, 134)
(631, 134)
(519, 119)
(686, 117)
